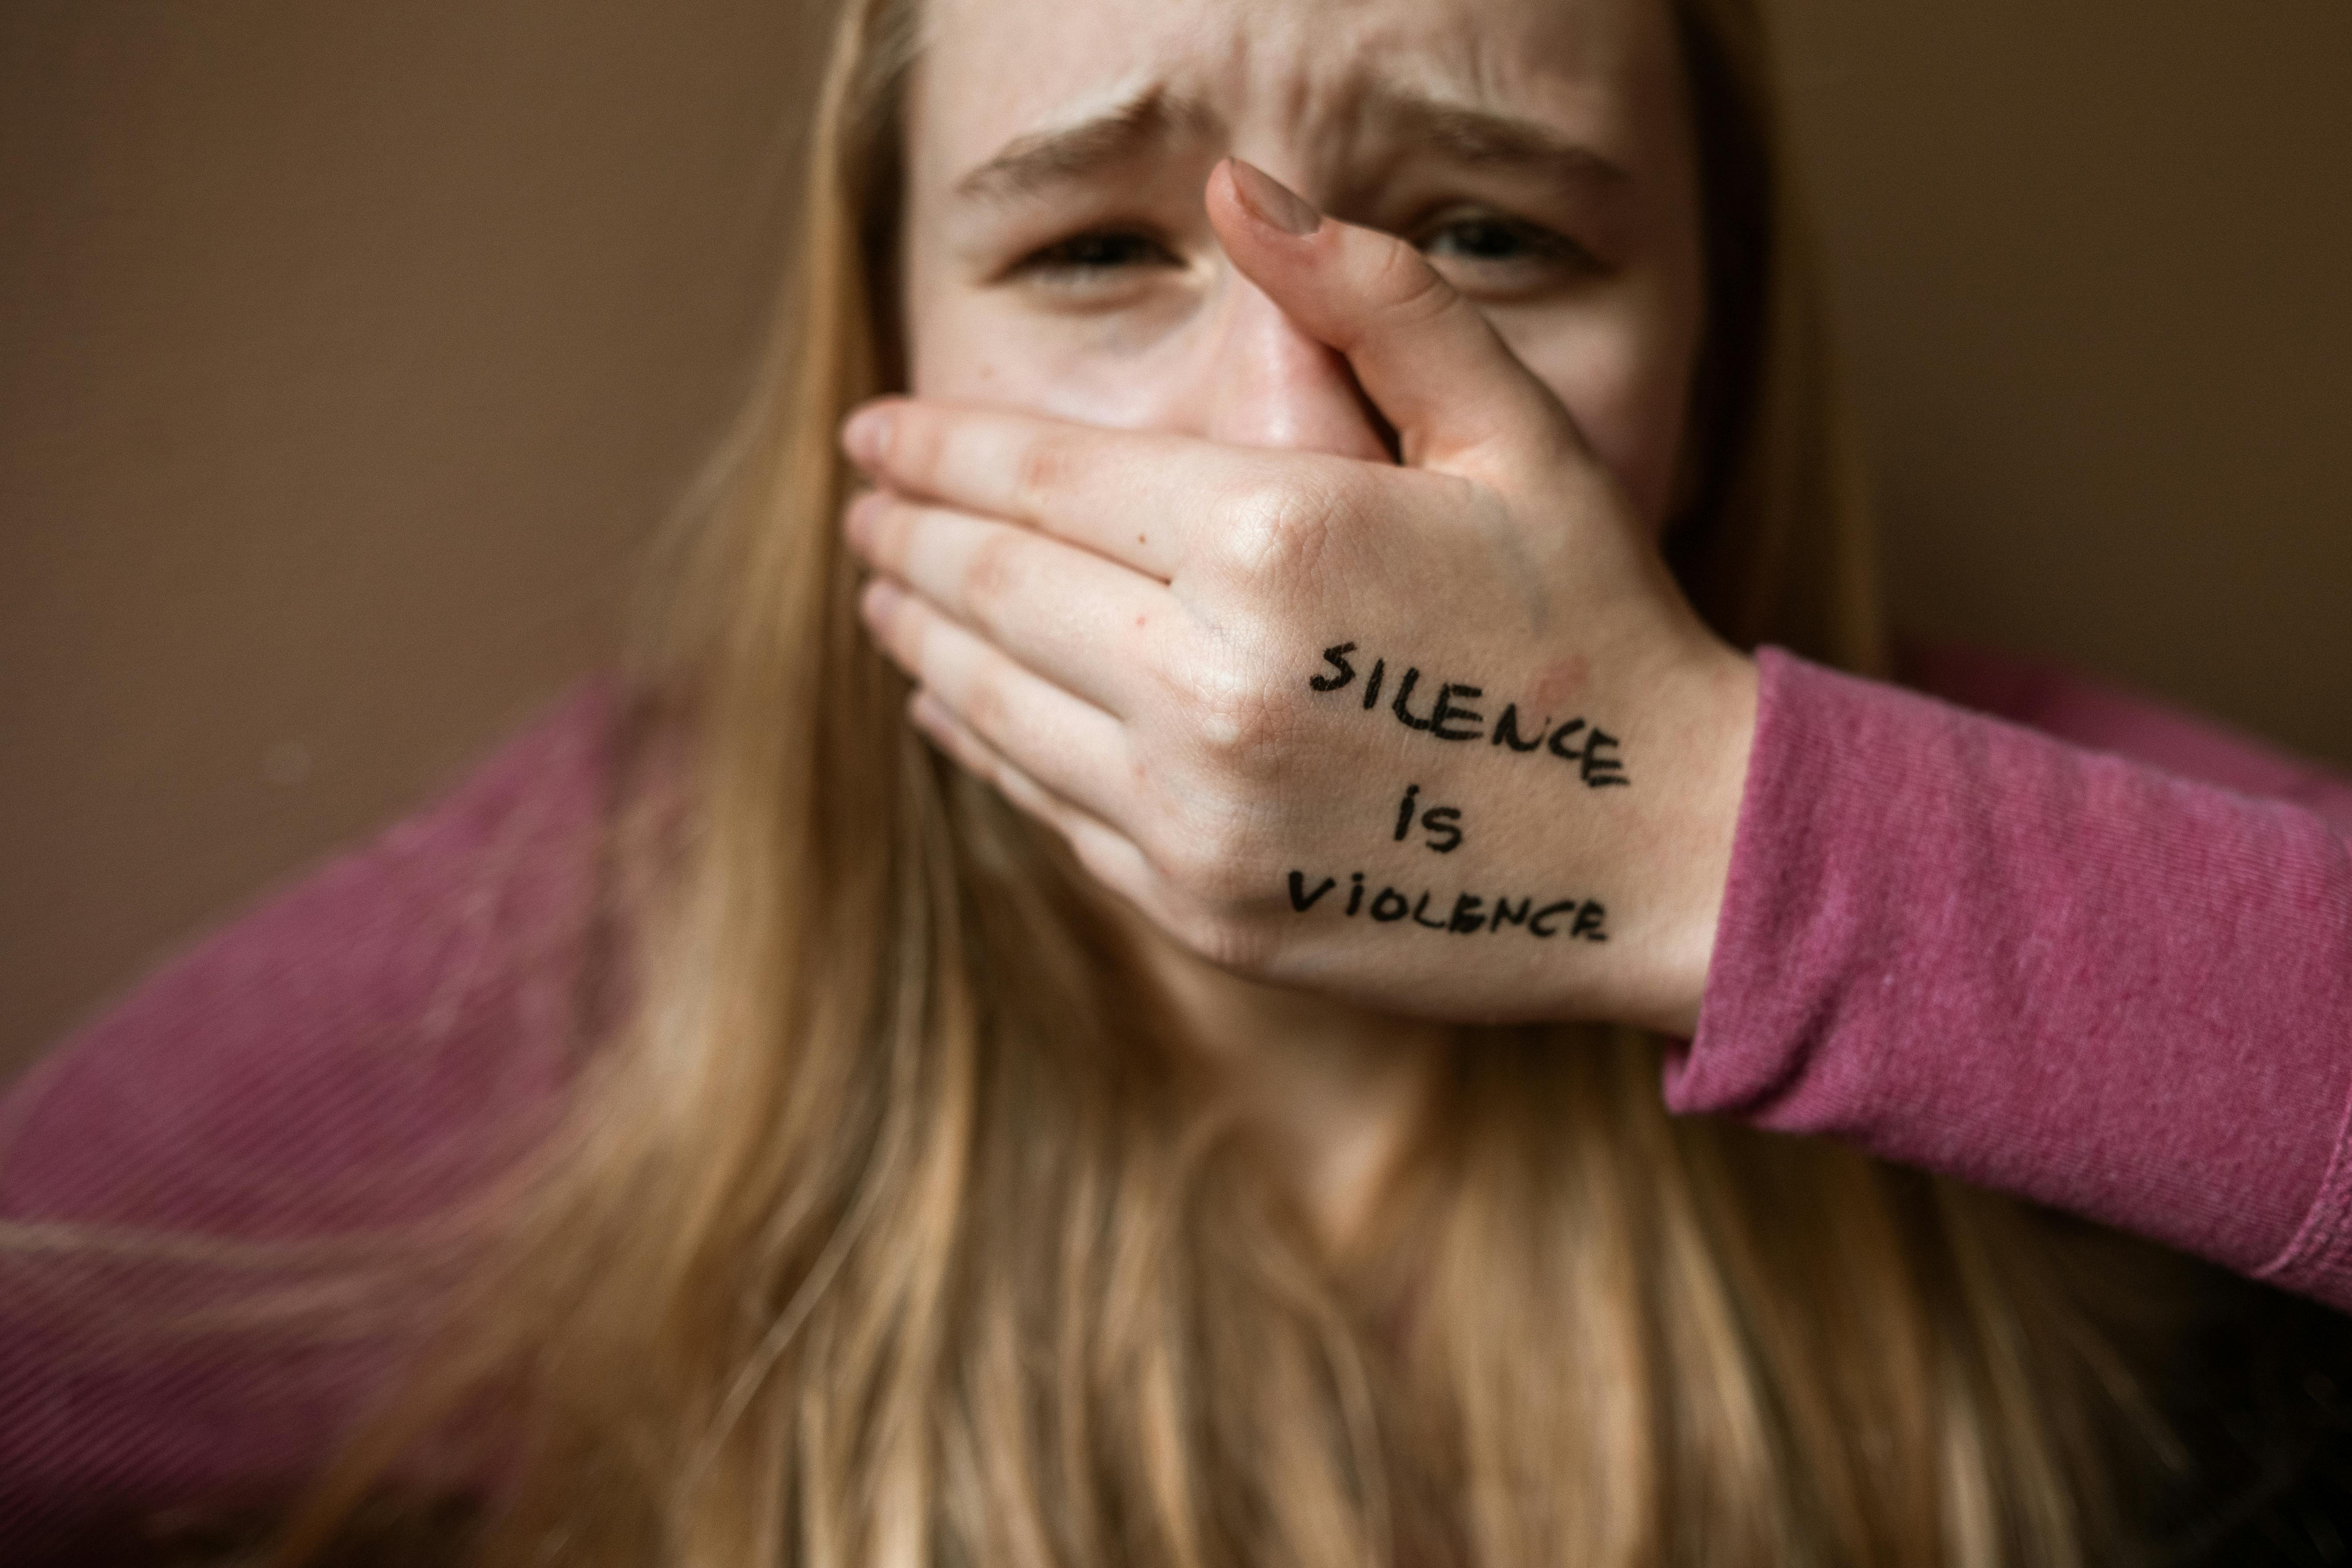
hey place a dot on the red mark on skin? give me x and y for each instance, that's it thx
(1557, 683)
(1140, 620)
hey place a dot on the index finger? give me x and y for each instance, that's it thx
(1141, 498)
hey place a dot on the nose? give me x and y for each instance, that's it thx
(1270, 385)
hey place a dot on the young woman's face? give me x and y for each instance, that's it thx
(1538, 151)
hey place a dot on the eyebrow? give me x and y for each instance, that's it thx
(1045, 158)
(1156, 116)
(1480, 138)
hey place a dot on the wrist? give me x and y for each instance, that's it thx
(1694, 849)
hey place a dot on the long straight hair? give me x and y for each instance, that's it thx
(890, 1228)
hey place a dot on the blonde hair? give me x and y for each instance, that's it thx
(890, 1228)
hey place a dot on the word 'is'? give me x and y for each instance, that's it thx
(1578, 919)
(1593, 749)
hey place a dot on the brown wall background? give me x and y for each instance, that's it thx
(347, 352)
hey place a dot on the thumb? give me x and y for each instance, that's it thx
(1457, 396)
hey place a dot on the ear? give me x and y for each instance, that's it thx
(1457, 396)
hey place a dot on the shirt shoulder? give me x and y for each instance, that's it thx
(330, 1058)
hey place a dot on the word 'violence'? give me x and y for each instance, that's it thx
(1449, 717)
(1578, 919)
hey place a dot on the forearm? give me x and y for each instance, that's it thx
(1967, 946)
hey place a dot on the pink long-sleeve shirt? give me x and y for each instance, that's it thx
(2089, 952)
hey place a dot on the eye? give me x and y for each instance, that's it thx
(1488, 252)
(1094, 258)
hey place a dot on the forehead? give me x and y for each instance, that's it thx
(993, 70)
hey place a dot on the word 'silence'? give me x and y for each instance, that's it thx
(1590, 747)
(1578, 919)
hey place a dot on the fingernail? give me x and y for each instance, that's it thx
(1271, 202)
(867, 437)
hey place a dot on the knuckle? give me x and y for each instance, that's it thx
(1237, 718)
(1280, 531)
(1230, 943)
(1211, 857)
(990, 574)
(1040, 470)
(984, 710)
(1407, 288)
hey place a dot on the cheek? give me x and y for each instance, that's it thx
(1624, 374)
(968, 346)
(946, 356)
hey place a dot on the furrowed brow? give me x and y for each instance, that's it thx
(1028, 165)
(1478, 137)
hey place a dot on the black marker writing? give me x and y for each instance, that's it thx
(1572, 919)
(1540, 923)
(1506, 732)
(1337, 658)
(1593, 762)
(1593, 752)
(1404, 696)
(1449, 714)
(1442, 823)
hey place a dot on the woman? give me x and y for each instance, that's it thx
(1207, 1122)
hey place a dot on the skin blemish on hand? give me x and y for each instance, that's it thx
(1556, 683)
